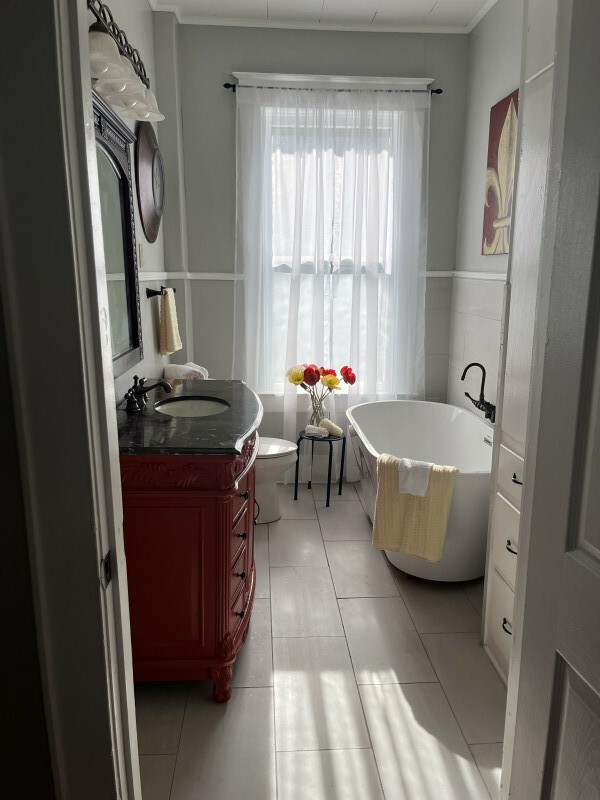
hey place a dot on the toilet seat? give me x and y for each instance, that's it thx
(275, 448)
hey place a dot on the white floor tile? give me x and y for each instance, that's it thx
(488, 758)
(159, 711)
(254, 665)
(296, 543)
(358, 570)
(261, 560)
(437, 607)
(304, 602)
(328, 775)
(319, 491)
(157, 775)
(227, 750)
(474, 591)
(317, 706)
(344, 522)
(384, 645)
(302, 508)
(474, 690)
(420, 751)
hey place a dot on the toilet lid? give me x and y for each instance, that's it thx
(273, 448)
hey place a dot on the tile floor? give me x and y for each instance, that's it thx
(356, 682)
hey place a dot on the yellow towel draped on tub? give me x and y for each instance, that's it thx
(415, 525)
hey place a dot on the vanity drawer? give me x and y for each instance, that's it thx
(511, 468)
(240, 498)
(238, 611)
(499, 625)
(238, 573)
(240, 534)
(505, 539)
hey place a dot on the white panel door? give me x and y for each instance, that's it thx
(554, 685)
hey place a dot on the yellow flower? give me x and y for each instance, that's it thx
(295, 375)
(331, 381)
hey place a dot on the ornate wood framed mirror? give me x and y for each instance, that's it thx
(113, 140)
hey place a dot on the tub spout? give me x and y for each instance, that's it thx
(489, 409)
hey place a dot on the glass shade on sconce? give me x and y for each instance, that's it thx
(146, 110)
(128, 82)
(105, 58)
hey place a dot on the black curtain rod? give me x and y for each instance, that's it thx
(233, 87)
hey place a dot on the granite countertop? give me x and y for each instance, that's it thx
(151, 431)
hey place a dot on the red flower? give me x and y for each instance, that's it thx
(312, 374)
(324, 371)
(348, 375)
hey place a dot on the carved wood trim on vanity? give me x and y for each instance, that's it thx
(186, 473)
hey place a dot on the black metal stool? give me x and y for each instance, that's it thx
(330, 440)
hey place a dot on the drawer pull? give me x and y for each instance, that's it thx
(516, 480)
(243, 535)
(509, 548)
(506, 626)
(245, 495)
(241, 575)
(240, 614)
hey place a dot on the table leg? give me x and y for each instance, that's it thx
(297, 468)
(342, 464)
(329, 473)
(312, 457)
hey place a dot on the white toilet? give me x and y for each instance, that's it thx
(275, 456)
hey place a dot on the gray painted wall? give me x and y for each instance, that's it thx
(494, 70)
(207, 56)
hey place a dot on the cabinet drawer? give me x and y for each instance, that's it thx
(238, 573)
(511, 468)
(240, 535)
(499, 623)
(238, 611)
(240, 498)
(505, 539)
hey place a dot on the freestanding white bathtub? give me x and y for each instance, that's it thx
(441, 434)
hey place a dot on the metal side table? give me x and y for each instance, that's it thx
(330, 440)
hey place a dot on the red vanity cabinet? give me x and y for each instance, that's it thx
(189, 545)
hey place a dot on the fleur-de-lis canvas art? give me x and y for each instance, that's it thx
(499, 179)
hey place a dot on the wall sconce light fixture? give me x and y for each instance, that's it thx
(117, 69)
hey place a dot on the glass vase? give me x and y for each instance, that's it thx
(318, 412)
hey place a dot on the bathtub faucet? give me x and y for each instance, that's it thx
(482, 404)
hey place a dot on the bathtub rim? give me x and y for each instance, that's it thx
(364, 439)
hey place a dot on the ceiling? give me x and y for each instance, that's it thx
(435, 16)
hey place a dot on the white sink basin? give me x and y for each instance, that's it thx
(192, 406)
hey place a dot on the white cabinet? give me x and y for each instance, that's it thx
(511, 436)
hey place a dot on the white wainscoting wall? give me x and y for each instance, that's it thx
(475, 335)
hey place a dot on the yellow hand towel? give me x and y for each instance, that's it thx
(415, 525)
(170, 340)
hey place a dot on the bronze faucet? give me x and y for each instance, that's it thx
(482, 404)
(137, 396)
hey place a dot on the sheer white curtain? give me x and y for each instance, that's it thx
(331, 240)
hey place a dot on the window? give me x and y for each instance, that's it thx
(331, 235)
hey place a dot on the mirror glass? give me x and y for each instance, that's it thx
(111, 205)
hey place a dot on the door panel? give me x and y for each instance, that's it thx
(576, 758)
(554, 685)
